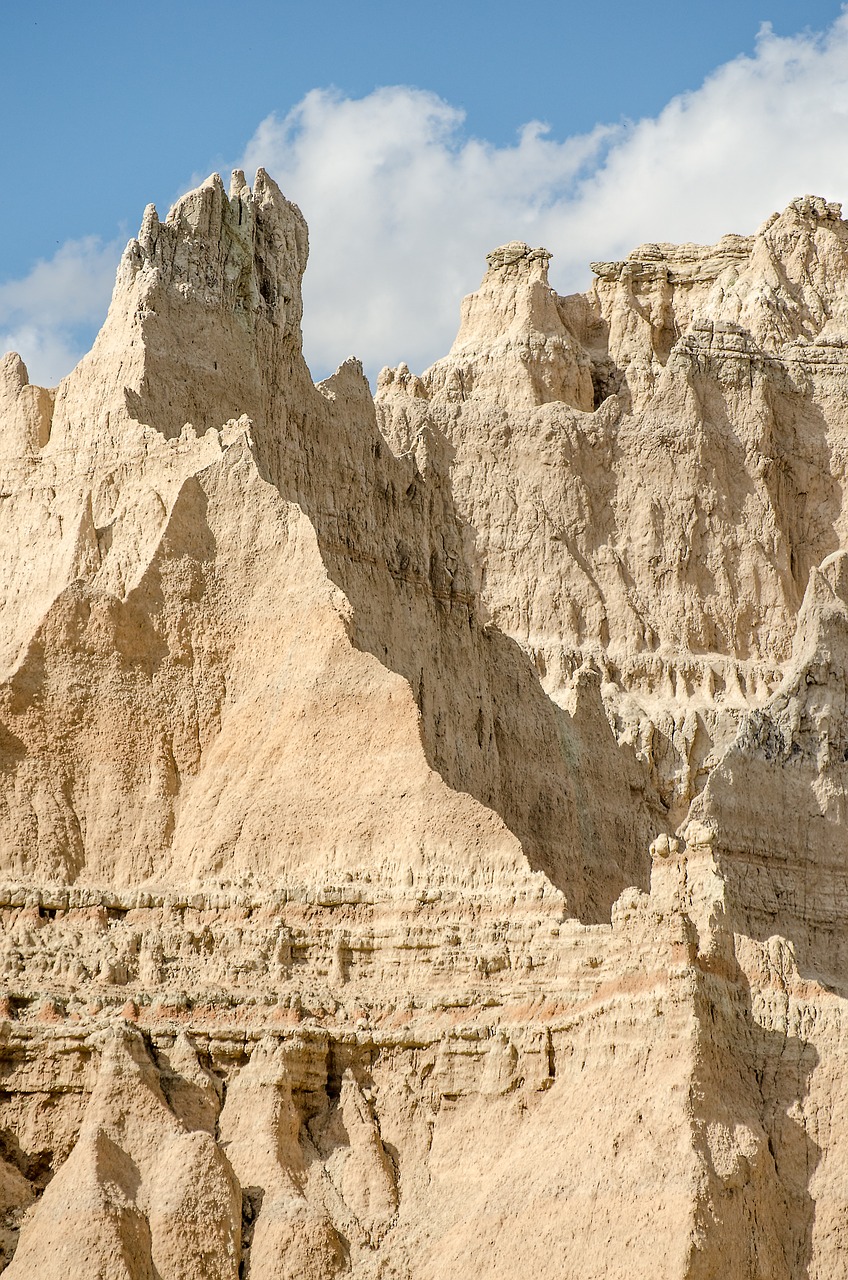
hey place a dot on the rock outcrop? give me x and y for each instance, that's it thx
(422, 817)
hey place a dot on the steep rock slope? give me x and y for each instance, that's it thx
(421, 824)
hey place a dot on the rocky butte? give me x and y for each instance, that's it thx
(423, 843)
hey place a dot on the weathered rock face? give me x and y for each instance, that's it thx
(422, 823)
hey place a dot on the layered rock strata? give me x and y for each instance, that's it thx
(422, 840)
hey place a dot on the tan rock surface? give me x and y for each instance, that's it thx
(422, 823)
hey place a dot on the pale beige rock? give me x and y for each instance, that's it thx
(139, 1195)
(422, 824)
(260, 1131)
(513, 347)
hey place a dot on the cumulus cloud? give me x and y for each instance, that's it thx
(49, 315)
(403, 206)
(402, 209)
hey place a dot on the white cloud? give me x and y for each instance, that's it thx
(402, 209)
(49, 315)
(403, 205)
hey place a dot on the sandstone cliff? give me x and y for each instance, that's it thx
(422, 818)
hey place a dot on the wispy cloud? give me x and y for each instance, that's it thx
(403, 204)
(49, 315)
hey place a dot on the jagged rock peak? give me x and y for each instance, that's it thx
(225, 269)
(817, 207)
(520, 255)
(245, 251)
(519, 343)
(513, 346)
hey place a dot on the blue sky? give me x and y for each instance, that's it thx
(107, 106)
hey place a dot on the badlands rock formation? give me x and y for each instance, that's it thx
(422, 820)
